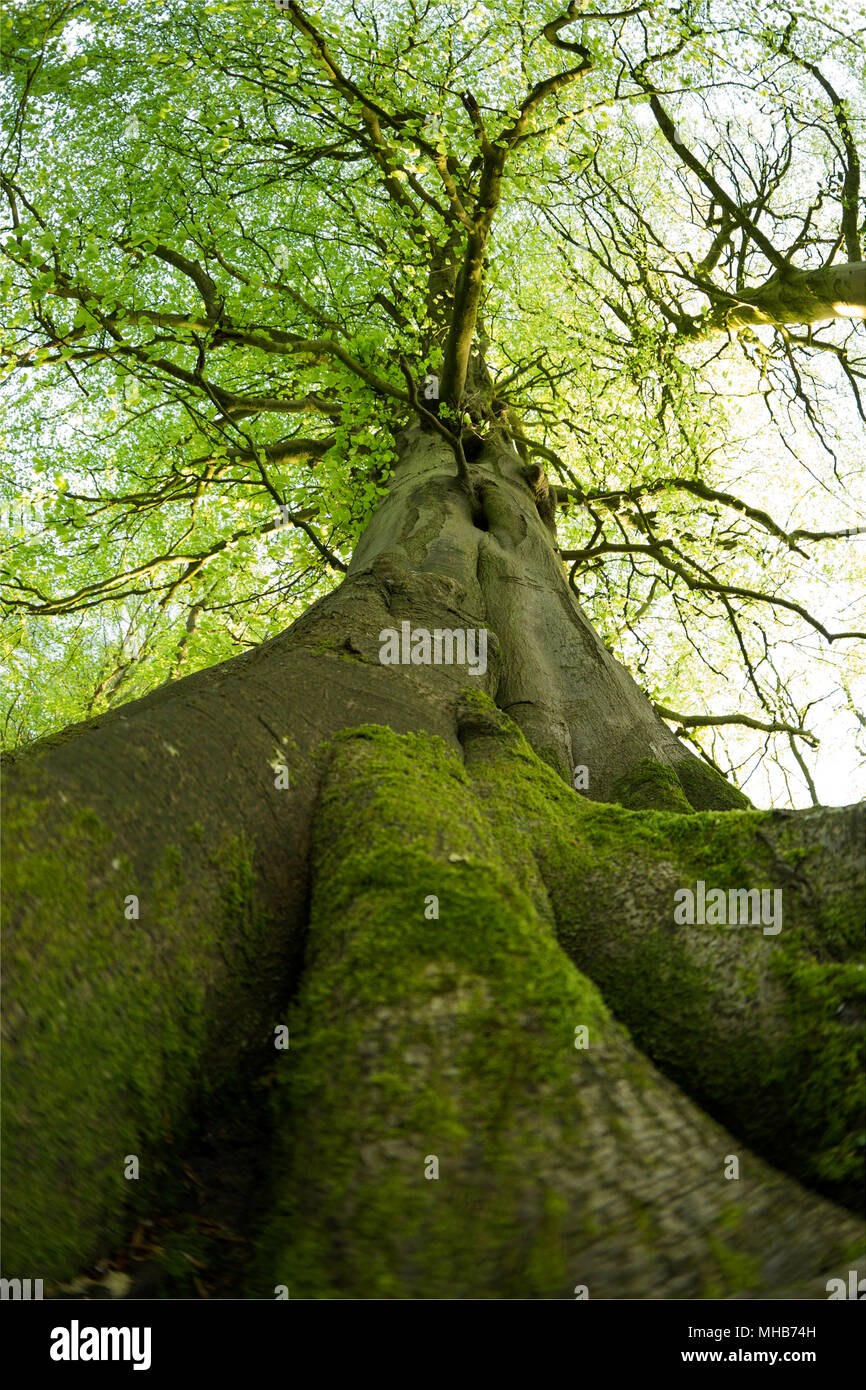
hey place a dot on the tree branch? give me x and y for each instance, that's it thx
(704, 721)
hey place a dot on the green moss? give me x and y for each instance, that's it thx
(340, 647)
(178, 1250)
(852, 1252)
(766, 1032)
(111, 1024)
(650, 786)
(735, 1272)
(823, 1061)
(439, 1029)
(453, 1036)
(707, 789)
(414, 1035)
(732, 1218)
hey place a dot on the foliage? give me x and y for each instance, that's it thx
(226, 223)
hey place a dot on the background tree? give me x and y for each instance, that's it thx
(374, 298)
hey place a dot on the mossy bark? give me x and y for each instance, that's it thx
(443, 1135)
(128, 998)
(764, 1027)
(200, 799)
(690, 785)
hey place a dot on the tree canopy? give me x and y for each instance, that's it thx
(239, 236)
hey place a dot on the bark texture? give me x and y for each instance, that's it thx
(762, 1023)
(457, 1032)
(800, 296)
(443, 1135)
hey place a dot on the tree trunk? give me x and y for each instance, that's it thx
(181, 868)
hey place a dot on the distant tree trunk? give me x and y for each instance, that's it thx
(182, 867)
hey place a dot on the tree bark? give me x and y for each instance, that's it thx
(442, 1134)
(761, 1021)
(800, 296)
(453, 1036)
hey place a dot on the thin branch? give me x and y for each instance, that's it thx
(705, 721)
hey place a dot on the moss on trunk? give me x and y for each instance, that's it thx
(115, 1026)
(439, 1019)
(764, 1029)
(651, 786)
(689, 786)
(451, 1036)
(707, 789)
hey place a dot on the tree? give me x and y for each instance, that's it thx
(406, 937)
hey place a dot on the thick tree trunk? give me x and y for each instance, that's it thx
(175, 808)
(463, 1116)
